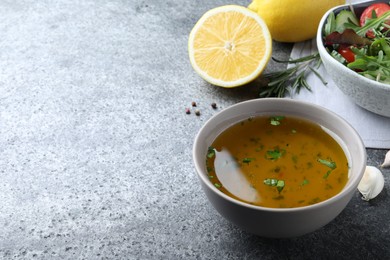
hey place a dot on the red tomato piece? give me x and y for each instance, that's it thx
(379, 8)
(347, 53)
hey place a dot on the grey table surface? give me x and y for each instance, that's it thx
(95, 144)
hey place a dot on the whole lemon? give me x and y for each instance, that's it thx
(292, 20)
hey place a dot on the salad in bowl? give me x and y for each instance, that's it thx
(354, 44)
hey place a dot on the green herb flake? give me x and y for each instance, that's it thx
(217, 185)
(305, 182)
(279, 184)
(326, 175)
(330, 164)
(276, 120)
(275, 154)
(210, 152)
(247, 160)
(270, 182)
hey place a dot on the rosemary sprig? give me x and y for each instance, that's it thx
(293, 79)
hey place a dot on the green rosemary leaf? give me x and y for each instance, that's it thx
(304, 83)
(298, 60)
(293, 79)
(295, 85)
(318, 76)
(282, 77)
(318, 64)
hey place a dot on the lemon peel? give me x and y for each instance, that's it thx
(291, 20)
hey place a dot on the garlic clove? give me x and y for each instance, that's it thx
(372, 183)
(386, 162)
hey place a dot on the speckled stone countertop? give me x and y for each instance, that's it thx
(95, 144)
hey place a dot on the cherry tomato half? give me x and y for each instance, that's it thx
(379, 8)
(347, 53)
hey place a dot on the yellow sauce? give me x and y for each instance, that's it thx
(277, 162)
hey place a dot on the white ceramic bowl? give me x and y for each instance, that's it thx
(280, 222)
(369, 94)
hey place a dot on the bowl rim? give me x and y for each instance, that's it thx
(339, 66)
(291, 102)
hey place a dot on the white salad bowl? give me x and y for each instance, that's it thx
(280, 222)
(369, 94)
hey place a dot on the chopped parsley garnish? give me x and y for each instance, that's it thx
(326, 175)
(275, 120)
(217, 185)
(275, 154)
(210, 152)
(247, 160)
(330, 164)
(279, 184)
(271, 182)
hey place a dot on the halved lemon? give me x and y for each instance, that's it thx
(229, 46)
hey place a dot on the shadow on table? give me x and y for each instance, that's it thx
(361, 231)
